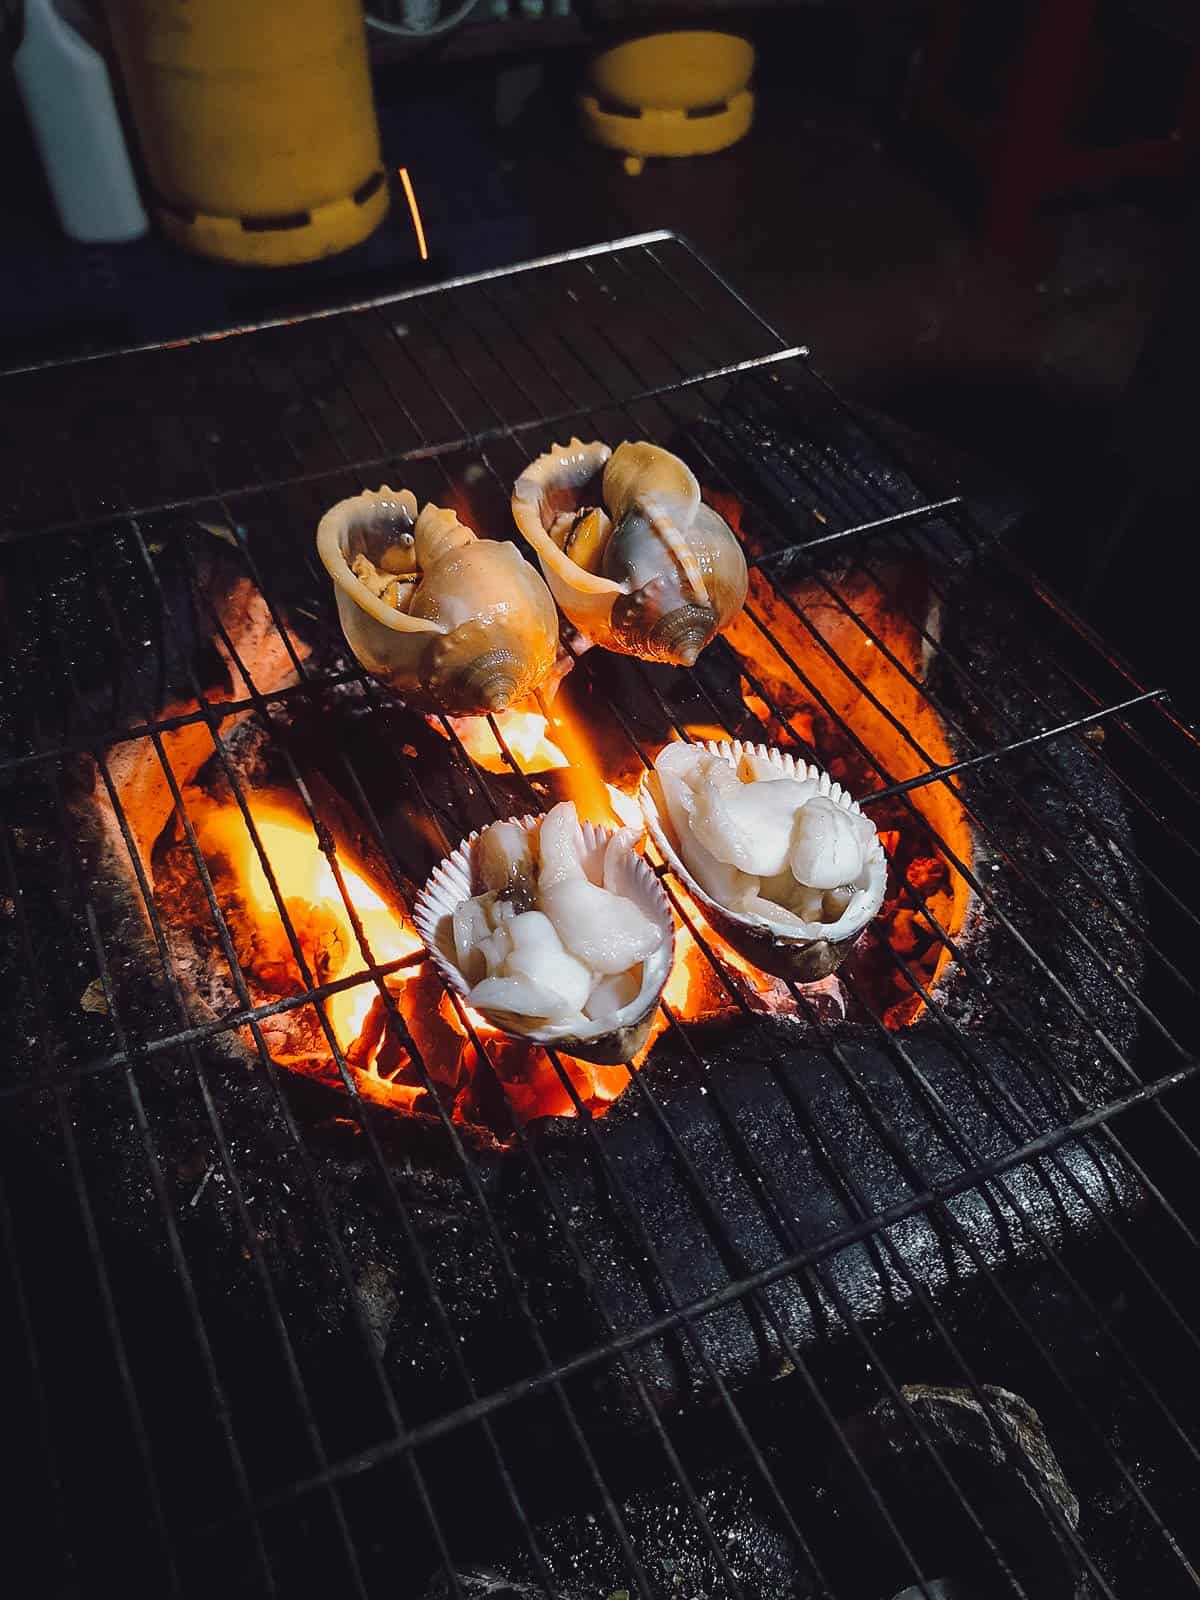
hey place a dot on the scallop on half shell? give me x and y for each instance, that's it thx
(637, 561)
(780, 943)
(450, 621)
(607, 857)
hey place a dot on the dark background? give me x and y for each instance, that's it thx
(844, 218)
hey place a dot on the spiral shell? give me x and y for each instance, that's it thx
(671, 574)
(480, 631)
(614, 1039)
(774, 945)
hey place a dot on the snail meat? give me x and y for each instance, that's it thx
(784, 863)
(581, 965)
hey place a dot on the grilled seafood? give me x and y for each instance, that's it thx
(555, 930)
(450, 621)
(633, 556)
(786, 866)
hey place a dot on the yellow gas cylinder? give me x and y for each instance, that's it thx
(670, 94)
(256, 122)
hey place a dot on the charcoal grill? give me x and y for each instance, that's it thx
(832, 1300)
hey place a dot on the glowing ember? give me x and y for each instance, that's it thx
(836, 655)
(524, 732)
(315, 907)
(586, 785)
(793, 691)
(414, 211)
(363, 1020)
(777, 726)
(625, 808)
(703, 732)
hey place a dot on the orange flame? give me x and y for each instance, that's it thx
(835, 674)
(524, 732)
(305, 880)
(585, 781)
(624, 808)
(785, 683)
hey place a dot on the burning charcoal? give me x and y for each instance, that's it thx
(1002, 1462)
(927, 873)
(359, 1053)
(264, 949)
(392, 1059)
(907, 933)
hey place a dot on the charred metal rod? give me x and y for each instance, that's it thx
(936, 774)
(734, 1290)
(216, 1025)
(143, 730)
(793, 552)
(420, 452)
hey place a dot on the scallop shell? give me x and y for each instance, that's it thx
(616, 1039)
(774, 947)
(686, 577)
(482, 662)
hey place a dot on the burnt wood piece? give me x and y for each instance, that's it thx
(770, 1106)
(1001, 1460)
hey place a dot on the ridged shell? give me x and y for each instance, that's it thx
(610, 1042)
(691, 576)
(774, 947)
(483, 663)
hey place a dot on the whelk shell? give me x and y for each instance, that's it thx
(774, 946)
(480, 631)
(668, 573)
(615, 1039)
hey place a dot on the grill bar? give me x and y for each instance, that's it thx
(736, 1290)
(1047, 1061)
(361, 1110)
(51, 1474)
(896, 1143)
(467, 380)
(112, 1323)
(569, 1087)
(812, 689)
(390, 458)
(647, 1244)
(940, 774)
(781, 560)
(894, 1045)
(223, 933)
(731, 1249)
(129, 1059)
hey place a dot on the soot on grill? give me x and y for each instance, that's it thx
(309, 896)
(712, 1158)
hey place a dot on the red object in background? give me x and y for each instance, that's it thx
(1029, 151)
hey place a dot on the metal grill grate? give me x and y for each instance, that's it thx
(109, 468)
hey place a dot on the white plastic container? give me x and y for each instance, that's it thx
(65, 85)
